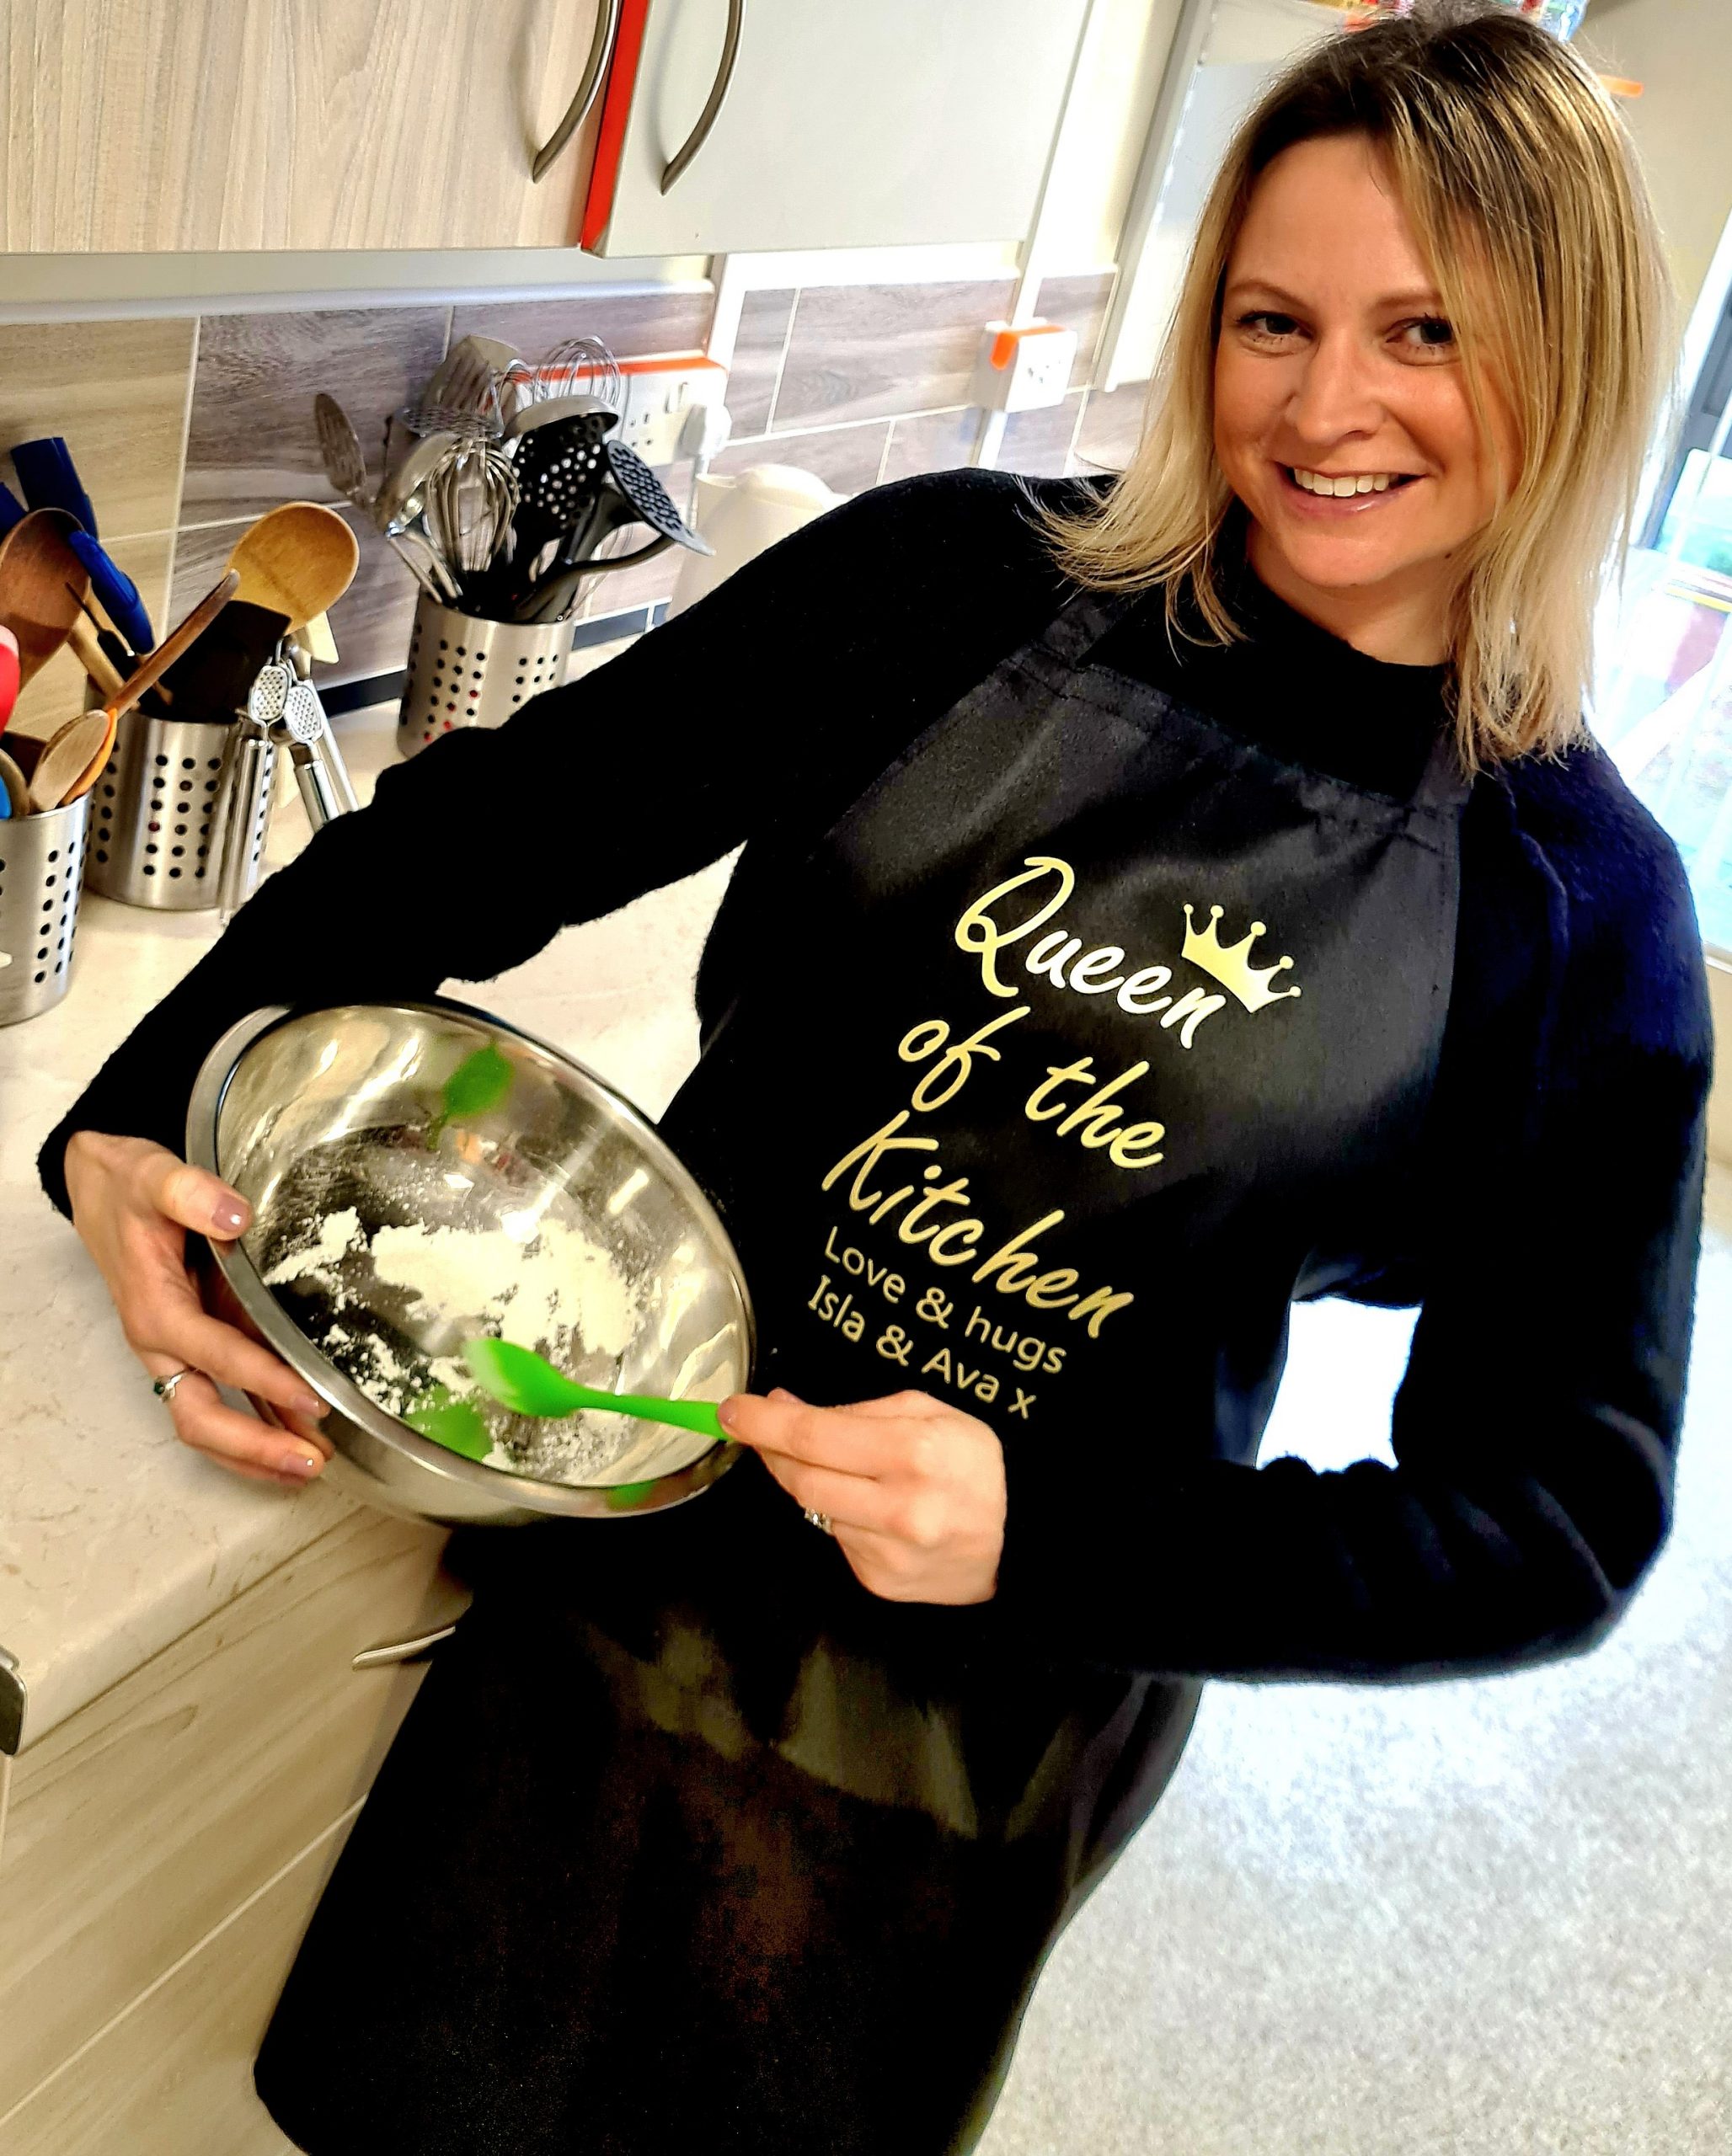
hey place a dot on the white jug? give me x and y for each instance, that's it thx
(742, 515)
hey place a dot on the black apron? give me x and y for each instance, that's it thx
(1086, 1039)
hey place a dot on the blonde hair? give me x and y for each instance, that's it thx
(1522, 189)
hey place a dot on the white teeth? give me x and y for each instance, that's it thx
(1356, 483)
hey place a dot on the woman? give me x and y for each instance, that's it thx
(1178, 897)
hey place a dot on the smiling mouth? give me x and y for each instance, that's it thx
(1346, 486)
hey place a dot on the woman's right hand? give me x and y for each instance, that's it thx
(132, 1204)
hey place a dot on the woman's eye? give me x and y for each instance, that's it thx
(1429, 333)
(1265, 324)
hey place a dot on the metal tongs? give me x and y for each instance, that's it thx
(283, 711)
(303, 729)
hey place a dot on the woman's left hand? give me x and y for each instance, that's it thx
(913, 1489)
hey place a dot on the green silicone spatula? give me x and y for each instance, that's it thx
(528, 1384)
(481, 1082)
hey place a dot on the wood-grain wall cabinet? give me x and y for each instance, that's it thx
(706, 126)
(171, 125)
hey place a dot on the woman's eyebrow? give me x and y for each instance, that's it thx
(1421, 297)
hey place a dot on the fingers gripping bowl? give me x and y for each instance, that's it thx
(421, 1174)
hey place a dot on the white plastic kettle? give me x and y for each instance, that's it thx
(743, 514)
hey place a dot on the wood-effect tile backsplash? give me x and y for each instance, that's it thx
(185, 430)
(871, 351)
(250, 441)
(117, 391)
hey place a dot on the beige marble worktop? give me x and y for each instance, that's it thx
(115, 1539)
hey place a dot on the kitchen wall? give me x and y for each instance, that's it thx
(185, 428)
(1680, 51)
(184, 382)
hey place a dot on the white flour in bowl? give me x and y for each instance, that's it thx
(557, 1281)
(541, 1283)
(339, 1233)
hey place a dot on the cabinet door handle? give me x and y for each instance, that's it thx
(401, 1650)
(718, 92)
(589, 90)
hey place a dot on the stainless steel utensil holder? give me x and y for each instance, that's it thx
(41, 864)
(156, 836)
(464, 671)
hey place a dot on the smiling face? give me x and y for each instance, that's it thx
(1335, 363)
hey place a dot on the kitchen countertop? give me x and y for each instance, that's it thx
(114, 1538)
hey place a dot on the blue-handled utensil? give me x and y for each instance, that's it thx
(12, 510)
(50, 478)
(115, 592)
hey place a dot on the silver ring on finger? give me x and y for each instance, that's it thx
(819, 1520)
(163, 1388)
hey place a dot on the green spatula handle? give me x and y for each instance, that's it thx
(683, 1414)
(528, 1384)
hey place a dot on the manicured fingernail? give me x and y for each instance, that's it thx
(310, 1405)
(298, 1463)
(726, 1417)
(228, 1217)
(781, 1392)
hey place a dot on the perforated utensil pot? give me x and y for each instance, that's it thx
(464, 671)
(41, 870)
(156, 824)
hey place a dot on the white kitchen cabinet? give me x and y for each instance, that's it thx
(837, 126)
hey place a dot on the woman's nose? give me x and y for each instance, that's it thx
(1337, 394)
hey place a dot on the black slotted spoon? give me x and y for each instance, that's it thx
(629, 492)
(559, 469)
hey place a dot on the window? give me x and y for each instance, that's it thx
(1663, 702)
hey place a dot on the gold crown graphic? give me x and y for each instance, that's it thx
(1233, 968)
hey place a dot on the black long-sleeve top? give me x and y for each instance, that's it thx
(1556, 1209)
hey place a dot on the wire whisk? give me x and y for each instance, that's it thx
(470, 498)
(580, 367)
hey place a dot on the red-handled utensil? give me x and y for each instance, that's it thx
(10, 679)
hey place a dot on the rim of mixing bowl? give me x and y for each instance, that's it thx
(285, 1338)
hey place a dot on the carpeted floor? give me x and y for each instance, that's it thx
(1490, 1918)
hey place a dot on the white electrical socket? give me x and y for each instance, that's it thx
(657, 398)
(1022, 369)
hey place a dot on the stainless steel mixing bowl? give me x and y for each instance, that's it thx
(309, 1114)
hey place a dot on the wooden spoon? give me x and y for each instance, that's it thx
(297, 560)
(71, 763)
(94, 660)
(319, 643)
(81, 745)
(43, 586)
(17, 786)
(152, 668)
(99, 762)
